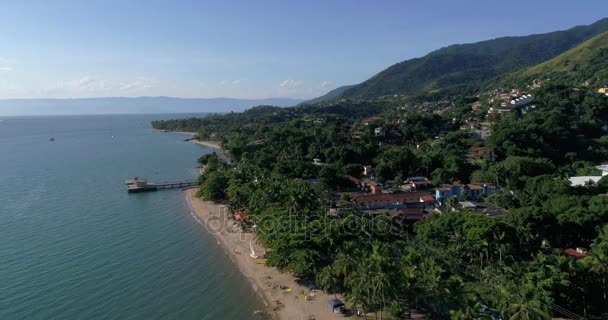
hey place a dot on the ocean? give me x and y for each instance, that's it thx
(75, 245)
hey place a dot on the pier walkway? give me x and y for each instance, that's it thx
(142, 185)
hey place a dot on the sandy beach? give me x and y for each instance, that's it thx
(283, 296)
(206, 143)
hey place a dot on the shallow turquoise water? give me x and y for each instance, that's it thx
(75, 245)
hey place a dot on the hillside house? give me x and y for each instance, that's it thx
(480, 134)
(482, 208)
(371, 186)
(394, 201)
(522, 101)
(472, 191)
(368, 171)
(371, 120)
(578, 253)
(581, 181)
(416, 184)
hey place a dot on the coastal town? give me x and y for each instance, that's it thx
(304, 160)
(426, 168)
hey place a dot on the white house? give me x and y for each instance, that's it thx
(586, 180)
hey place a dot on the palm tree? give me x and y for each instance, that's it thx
(328, 280)
(597, 260)
(528, 310)
(521, 304)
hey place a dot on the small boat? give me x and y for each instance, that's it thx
(52, 139)
(252, 254)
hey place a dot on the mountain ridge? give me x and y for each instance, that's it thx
(585, 64)
(465, 67)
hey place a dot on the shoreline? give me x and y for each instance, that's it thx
(206, 143)
(282, 304)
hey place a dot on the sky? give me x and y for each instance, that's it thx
(243, 49)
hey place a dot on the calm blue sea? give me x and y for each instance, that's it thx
(75, 245)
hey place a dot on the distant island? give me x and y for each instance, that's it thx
(140, 105)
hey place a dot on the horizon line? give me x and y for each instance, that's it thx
(156, 97)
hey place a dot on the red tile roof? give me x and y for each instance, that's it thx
(427, 198)
(573, 253)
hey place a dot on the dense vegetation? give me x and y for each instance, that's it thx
(289, 172)
(587, 64)
(462, 68)
(452, 264)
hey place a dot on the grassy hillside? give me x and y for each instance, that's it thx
(588, 61)
(461, 67)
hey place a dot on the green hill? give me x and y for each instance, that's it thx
(330, 95)
(588, 61)
(464, 67)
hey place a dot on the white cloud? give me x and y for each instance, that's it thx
(290, 84)
(86, 82)
(93, 86)
(5, 69)
(232, 82)
(139, 83)
(326, 84)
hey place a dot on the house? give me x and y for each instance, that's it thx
(471, 191)
(368, 171)
(371, 186)
(418, 200)
(583, 181)
(475, 106)
(577, 253)
(317, 162)
(488, 188)
(580, 181)
(416, 183)
(483, 208)
(502, 109)
(409, 214)
(379, 132)
(480, 134)
(602, 90)
(476, 154)
(516, 93)
(522, 101)
(371, 120)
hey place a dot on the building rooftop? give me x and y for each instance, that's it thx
(576, 253)
(583, 180)
(405, 197)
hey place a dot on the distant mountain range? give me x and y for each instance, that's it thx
(121, 105)
(464, 67)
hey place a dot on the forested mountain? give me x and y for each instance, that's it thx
(463, 67)
(586, 63)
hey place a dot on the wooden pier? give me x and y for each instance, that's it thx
(142, 185)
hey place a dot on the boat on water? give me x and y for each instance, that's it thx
(52, 139)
